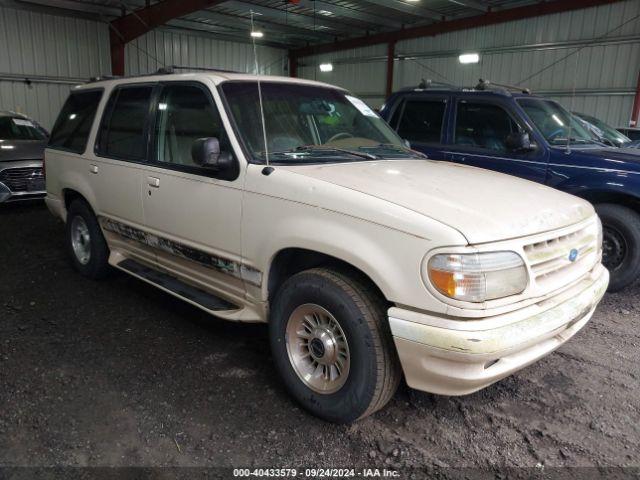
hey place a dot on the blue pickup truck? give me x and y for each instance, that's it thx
(521, 134)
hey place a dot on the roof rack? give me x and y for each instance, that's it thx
(168, 70)
(100, 78)
(432, 84)
(172, 68)
(487, 85)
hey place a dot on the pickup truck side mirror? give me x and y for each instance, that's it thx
(205, 152)
(519, 141)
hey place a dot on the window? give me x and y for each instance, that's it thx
(322, 122)
(72, 128)
(18, 128)
(483, 125)
(122, 134)
(185, 114)
(422, 121)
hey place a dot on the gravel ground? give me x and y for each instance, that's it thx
(117, 373)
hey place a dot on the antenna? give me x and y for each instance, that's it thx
(573, 97)
(257, 72)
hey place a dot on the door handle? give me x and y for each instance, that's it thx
(93, 169)
(153, 182)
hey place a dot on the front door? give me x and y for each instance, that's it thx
(480, 139)
(193, 217)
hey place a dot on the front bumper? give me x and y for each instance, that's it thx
(457, 357)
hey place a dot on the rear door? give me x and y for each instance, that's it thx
(480, 130)
(116, 172)
(421, 120)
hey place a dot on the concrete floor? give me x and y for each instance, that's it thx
(117, 373)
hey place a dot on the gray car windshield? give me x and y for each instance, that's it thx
(16, 128)
(310, 124)
(557, 125)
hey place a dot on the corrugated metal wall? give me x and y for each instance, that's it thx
(55, 51)
(165, 47)
(604, 72)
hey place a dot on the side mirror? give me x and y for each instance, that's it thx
(519, 141)
(205, 152)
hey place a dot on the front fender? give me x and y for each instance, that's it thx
(602, 186)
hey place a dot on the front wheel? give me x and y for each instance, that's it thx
(621, 244)
(332, 345)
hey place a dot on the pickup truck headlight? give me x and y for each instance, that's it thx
(477, 277)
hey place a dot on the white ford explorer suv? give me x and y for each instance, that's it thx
(368, 261)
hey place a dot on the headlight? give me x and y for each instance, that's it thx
(477, 277)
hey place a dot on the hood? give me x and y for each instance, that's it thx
(597, 156)
(482, 205)
(22, 150)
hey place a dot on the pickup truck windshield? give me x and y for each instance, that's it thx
(557, 125)
(306, 123)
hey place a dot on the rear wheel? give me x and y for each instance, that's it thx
(86, 245)
(332, 345)
(621, 244)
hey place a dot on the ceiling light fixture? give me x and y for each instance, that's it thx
(257, 34)
(467, 58)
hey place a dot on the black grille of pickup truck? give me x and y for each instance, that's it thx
(26, 179)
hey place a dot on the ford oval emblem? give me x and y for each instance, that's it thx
(573, 255)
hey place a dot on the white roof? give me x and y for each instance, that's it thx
(216, 76)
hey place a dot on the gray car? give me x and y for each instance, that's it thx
(22, 144)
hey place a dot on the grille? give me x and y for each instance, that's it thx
(27, 179)
(550, 263)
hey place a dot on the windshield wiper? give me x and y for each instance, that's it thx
(314, 148)
(398, 148)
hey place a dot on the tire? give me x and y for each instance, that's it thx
(91, 258)
(370, 377)
(621, 244)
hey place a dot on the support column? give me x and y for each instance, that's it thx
(117, 55)
(635, 111)
(391, 54)
(293, 65)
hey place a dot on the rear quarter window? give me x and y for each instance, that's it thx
(72, 128)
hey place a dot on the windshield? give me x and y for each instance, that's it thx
(556, 124)
(306, 123)
(608, 132)
(16, 128)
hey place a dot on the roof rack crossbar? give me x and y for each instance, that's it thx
(487, 85)
(171, 68)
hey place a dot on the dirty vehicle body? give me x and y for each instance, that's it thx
(367, 260)
(520, 134)
(22, 144)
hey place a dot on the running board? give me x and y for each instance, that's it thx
(176, 287)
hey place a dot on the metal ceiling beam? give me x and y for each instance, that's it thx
(286, 30)
(320, 22)
(409, 8)
(349, 13)
(230, 34)
(471, 4)
(489, 18)
(75, 6)
(137, 23)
